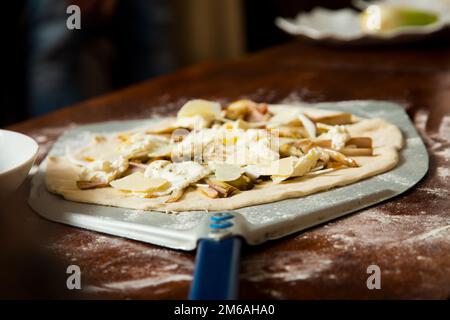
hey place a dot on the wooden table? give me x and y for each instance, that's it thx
(408, 237)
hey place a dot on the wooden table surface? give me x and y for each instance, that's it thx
(408, 237)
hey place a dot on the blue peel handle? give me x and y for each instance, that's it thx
(216, 275)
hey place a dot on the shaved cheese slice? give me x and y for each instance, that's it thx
(302, 166)
(283, 166)
(285, 117)
(179, 174)
(198, 114)
(308, 125)
(194, 122)
(136, 182)
(161, 151)
(165, 126)
(237, 146)
(330, 117)
(306, 163)
(227, 172)
(206, 109)
(102, 171)
(142, 144)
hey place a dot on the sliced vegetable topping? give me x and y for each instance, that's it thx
(221, 153)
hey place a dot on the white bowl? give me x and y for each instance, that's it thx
(17, 155)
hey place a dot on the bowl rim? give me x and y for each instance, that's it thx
(31, 157)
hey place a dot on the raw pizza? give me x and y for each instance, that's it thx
(211, 157)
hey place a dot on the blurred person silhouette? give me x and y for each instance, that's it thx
(120, 42)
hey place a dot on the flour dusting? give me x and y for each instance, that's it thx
(151, 266)
(285, 267)
(140, 283)
(443, 172)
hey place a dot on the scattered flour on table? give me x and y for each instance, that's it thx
(435, 191)
(434, 233)
(444, 128)
(139, 283)
(443, 172)
(444, 153)
(407, 236)
(294, 266)
(420, 119)
(132, 265)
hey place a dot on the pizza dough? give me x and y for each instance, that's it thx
(61, 176)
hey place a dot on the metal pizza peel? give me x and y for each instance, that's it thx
(218, 235)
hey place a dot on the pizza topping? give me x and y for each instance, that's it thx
(221, 153)
(198, 113)
(87, 184)
(340, 158)
(240, 147)
(223, 189)
(140, 144)
(243, 182)
(175, 195)
(227, 172)
(100, 172)
(297, 167)
(287, 117)
(136, 182)
(330, 118)
(308, 125)
(237, 110)
(247, 110)
(179, 174)
(339, 136)
(208, 191)
(163, 126)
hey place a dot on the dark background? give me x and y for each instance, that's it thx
(259, 33)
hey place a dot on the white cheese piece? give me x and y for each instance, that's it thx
(302, 166)
(164, 126)
(283, 166)
(103, 170)
(227, 172)
(285, 117)
(179, 174)
(162, 151)
(142, 144)
(194, 122)
(234, 146)
(315, 114)
(293, 117)
(111, 155)
(306, 163)
(338, 135)
(136, 182)
(198, 113)
(204, 108)
(308, 125)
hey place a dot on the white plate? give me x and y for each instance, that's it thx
(343, 27)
